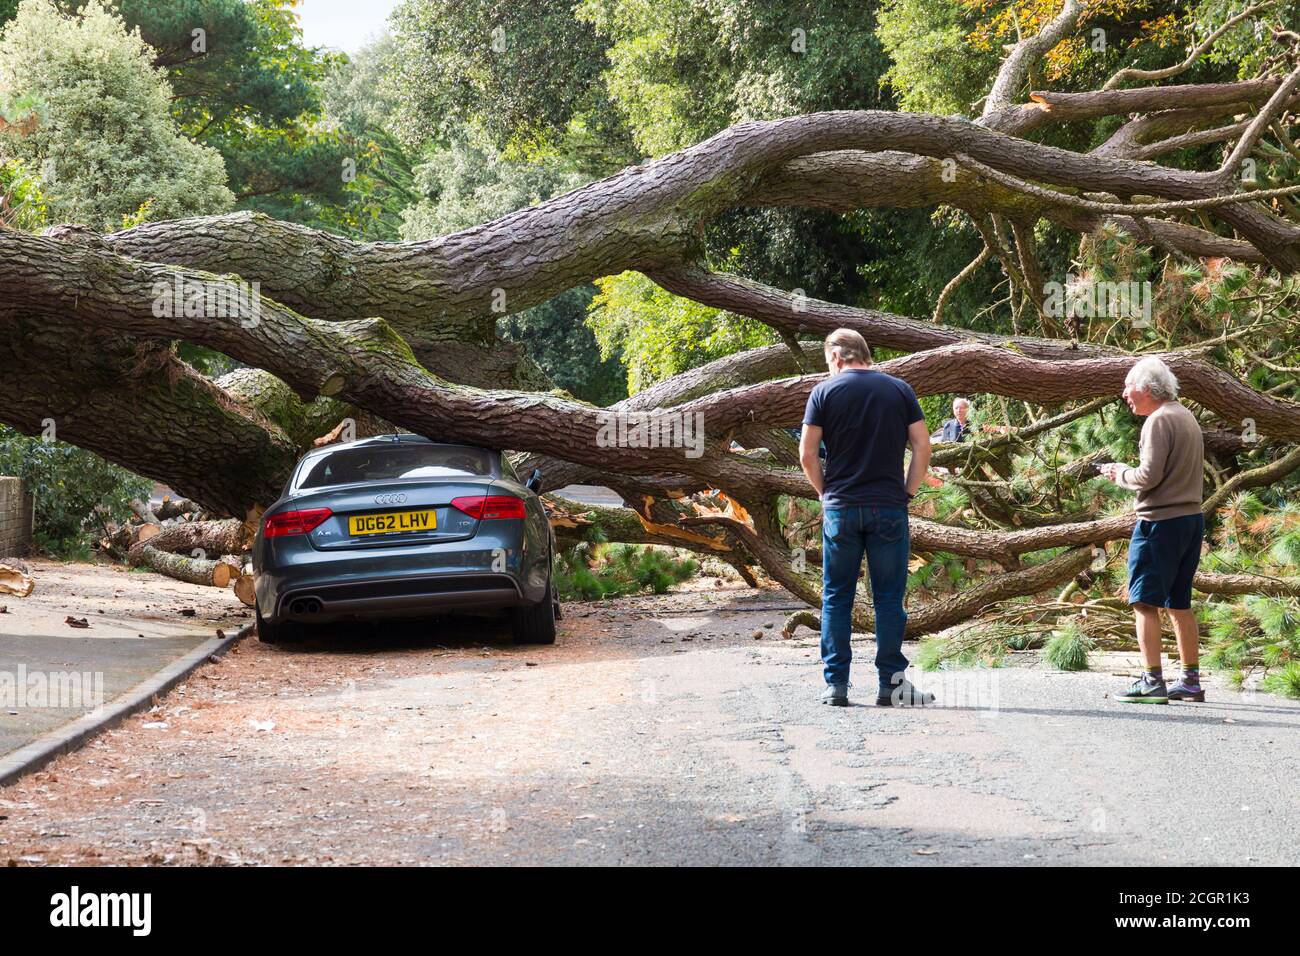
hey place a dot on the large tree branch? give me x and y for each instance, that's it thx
(456, 286)
(803, 315)
(365, 363)
(1208, 384)
(845, 180)
(1266, 474)
(1026, 53)
(1046, 107)
(125, 399)
(1213, 582)
(1267, 114)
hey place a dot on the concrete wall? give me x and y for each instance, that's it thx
(15, 518)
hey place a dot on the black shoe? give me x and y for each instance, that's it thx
(837, 695)
(1145, 691)
(904, 695)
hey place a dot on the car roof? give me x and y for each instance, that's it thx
(376, 441)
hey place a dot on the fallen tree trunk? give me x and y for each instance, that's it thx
(228, 536)
(144, 512)
(367, 363)
(175, 508)
(406, 331)
(143, 531)
(218, 574)
(180, 550)
(405, 296)
(1214, 582)
(642, 216)
(168, 422)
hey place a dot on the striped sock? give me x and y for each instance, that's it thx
(1154, 674)
(1192, 676)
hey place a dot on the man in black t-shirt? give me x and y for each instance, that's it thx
(867, 419)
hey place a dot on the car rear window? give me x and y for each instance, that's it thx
(392, 462)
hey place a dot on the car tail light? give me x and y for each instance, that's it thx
(490, 507)
(294, 522)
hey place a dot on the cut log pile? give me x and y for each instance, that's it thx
(119, 539)
(182, 541)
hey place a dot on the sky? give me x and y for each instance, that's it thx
(343, 24)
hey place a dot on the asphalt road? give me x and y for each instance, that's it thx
(658, 731)
(592, 495)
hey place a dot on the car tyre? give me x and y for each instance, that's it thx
(286, 632)
(535, 623)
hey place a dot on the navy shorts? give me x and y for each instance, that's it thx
(1162, 559)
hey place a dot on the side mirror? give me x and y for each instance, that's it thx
(534, 482)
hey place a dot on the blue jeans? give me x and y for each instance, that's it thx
(882, 534)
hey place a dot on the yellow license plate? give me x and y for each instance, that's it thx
(392, 522)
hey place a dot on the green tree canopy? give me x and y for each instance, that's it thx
(106, 145)
(246, 85)
(523, 72)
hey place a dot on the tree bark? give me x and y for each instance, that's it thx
(214, 573)
(1213, 582)
(230, 536)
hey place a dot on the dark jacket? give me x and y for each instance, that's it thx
(951, 430)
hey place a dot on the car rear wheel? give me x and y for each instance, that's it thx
(286, 632)
(535, 623)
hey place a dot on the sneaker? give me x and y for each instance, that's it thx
(1145, 691)
(904, 695)
(837, 695)
(1185, 691)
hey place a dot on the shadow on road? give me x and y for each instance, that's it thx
(457, 631)
(1185, 713)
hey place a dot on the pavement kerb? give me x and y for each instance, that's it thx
(76, 733)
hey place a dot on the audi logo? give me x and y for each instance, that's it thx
(389, 499)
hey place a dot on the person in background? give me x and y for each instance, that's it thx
(1166, 545)
(866, 419)
(955, 428)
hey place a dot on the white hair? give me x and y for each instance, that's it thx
(961, 401)
(1153, 377)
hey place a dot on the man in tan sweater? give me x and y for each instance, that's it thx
(1166, 545)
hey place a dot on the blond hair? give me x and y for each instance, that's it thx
(849, 345)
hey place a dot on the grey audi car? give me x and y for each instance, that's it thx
(400, 526)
